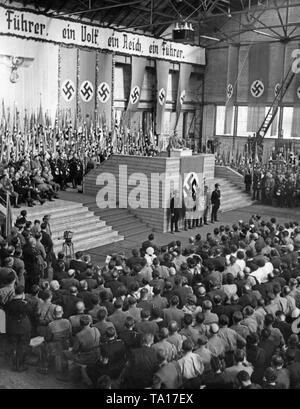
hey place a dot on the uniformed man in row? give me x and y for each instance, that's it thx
(175, 209)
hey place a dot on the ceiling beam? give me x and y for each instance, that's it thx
(288, 6)
(292, 31)
(119, 5)
(142, 8)
(280, 19)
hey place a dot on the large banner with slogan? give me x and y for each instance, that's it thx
(87, 85)
(138, 66)
(36, 25)
(258, 73)
(183, 82)
(104, 88)
(68, 81)
(162, 74)
(231, 87)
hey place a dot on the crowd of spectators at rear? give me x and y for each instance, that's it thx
(221, 312)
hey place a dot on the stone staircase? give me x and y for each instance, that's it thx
(232, 195)
(89, 231)
(126, 223)
(232, 189)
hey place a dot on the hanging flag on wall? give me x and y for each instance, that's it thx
(87, 83)
(231, 87)
(183, 82)
(258, 73)
(255, 117)
(162, 73)
(276, 75)
(295, 133)
(68, 79)
(138, 66)
(104, 86)
(296, 85)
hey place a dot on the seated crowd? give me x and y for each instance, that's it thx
(220, 312)
(37, 177)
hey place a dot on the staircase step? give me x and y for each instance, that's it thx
(85, 237)
(93, 243)
(50, 208)
(72, 218)
(113, 218)
(141, 230)
(88, 221)
(108, 212)
(88, 228)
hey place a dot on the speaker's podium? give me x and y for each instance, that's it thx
(143, 184)
(180, 153)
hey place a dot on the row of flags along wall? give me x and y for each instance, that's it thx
(85, 103)
(94, 92)
(265, 76)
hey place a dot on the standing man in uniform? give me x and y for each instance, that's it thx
(206, 205)
(189, 206)
(215, 201)
(175, 211)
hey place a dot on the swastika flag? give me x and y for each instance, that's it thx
(104, 88)
(231, 87)
(162, 73)
(183, 84)
(259, 61)
(87, 84)
(67, 74)
(138, 66)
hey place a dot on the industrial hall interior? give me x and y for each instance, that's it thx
(149, 195)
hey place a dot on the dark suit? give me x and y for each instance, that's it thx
(175, 214)
(18, 329)
(78, 265)
(118, 318)
(167, 377)
(47, 242)
(143, 364)
(216, 201)
(69, 304)
(171, 314)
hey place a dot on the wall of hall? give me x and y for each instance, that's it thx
(190, 120)
(38, 86)
(215, 82)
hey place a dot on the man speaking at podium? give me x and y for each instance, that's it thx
(175, 143)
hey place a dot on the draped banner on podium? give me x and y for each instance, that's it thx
(138, 66)
(104, 87)
(258, 73)
(184, 77)
(231, 88)
(162, 72)
(87, 77)
(68, 80)
(192, 172)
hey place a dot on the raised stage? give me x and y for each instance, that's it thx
(143, 184)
